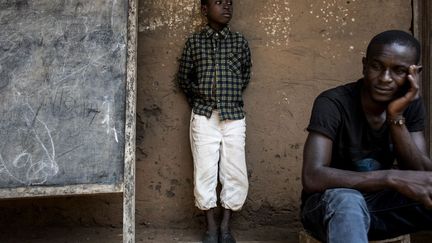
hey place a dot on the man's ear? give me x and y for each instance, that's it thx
(364, 61)
(204, 9)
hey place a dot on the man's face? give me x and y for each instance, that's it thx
(218, 12)
(386, 69)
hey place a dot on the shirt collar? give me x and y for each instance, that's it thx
(223, 33)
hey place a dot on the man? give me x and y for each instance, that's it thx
(366, 173)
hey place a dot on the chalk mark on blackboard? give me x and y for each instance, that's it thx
(61, 58)
(37, 172)
(107, 119)
(70, 150)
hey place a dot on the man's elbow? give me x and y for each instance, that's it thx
(311, 184)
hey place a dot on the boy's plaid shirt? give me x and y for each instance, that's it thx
(214, 70)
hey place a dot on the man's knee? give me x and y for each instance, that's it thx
(344, 197)
(346, 203)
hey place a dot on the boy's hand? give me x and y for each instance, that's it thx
(396, 108)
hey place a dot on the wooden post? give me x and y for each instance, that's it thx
(422, 28)
(130, 135)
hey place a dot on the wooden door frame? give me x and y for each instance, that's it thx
(422, 29)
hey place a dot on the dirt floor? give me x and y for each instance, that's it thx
(148, 235)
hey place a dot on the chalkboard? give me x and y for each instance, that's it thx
(62, 92)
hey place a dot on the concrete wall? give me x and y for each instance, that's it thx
(299, 48)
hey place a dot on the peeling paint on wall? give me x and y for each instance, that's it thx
(170, 16)
(336, 16)
(276, 21)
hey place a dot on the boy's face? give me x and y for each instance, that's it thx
(386, 69)
(218, 13)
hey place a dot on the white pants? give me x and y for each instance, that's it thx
(219, 146)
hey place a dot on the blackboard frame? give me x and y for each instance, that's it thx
(127, 185)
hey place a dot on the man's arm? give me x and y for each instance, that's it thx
(317, 176)
(410, 148)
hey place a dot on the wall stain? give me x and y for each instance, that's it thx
(153, 110)
(170, 194)
(175, 182)
(295, 146)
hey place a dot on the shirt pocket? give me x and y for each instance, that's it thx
(234, 62)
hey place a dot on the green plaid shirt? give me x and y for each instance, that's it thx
(214, 70)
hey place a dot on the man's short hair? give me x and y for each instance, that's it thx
(204, 2)
(395, 37)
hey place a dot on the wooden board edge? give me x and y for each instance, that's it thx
(130, 126)
(69, 190)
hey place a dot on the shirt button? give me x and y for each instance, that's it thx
(217, 35)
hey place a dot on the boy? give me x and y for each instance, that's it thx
(214, 70)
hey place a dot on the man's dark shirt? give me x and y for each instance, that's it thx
(214, 71)
(337, 113)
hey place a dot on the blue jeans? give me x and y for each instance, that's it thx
(349, 216)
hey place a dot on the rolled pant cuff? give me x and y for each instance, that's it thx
(234, 208)
(205, 207)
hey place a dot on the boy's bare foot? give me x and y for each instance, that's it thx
(226, 237)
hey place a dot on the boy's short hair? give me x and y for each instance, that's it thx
(395, 37)
(204, 2)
